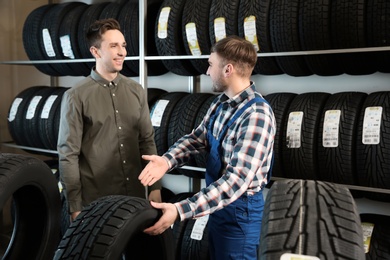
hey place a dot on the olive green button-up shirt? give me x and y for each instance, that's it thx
(105, 127)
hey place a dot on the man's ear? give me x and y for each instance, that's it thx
(94, 52)
(228, 70)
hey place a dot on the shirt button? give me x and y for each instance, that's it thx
(124, 161)
(113, 95)
(116, 111)
(120, 128)
(127, 179)
(121, 145)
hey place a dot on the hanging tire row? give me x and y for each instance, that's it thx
(180, 27)
(341, 137)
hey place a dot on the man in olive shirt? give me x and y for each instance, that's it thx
(105, 127)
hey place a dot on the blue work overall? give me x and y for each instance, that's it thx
(234, 231)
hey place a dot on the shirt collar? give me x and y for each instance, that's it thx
(102, 81)
(240, 97)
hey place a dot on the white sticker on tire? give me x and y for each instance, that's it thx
(330, 133)
(66, 47)
(294, 126)
(192, 39)
(219, 28)
(47, 43)
(14, 109)
(368, 228)
(372, 125)
(162, 29)
(47, 107)
(199, 226)
(250, 31)
(288, 256)
(158, 112)
(32, 107)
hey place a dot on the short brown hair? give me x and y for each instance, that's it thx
(98, 28)
(238, 51)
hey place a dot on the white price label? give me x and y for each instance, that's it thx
(162, 29)
(250, 31)
(219, 28)
(47, 107)
(330, 133)
(14, 109)
(192, 39)
(47, 43)
(294, 126)
(372, 125)
(158, 112)
(32, 107)
(199, 226)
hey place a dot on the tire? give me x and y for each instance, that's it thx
(35, 194)
(310, 218)
(228, 12)
(300, 161)
(192, 249)
(280, 103)
(373, 160)
(196, 12)
(285, 36)
(337, 162)
(315, 33)
(348, 23)
(169, 37)
(260, 11)
(111, 228)
(379, 246)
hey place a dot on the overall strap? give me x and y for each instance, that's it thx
(236, 115)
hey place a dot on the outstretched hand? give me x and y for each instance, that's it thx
(154, 170)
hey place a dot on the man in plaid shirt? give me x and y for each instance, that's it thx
(238, 131)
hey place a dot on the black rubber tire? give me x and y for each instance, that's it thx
(35, 194)
(315, 33)
(112, 227)
(17, 114)
(302, 162)
(338, 164)
(192, 249)
(310, 218)
(260, 10)
(348, 23)
(153, 95)
(172, 44)
(227, 10)
(179, 227)
(373, 160)
(197, 12)
(280, 103)
(379, 248)
(32, 38)
(284, 28)
(69, 28)
(378, 31)
(161, 132)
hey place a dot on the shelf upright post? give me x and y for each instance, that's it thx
(142, 43)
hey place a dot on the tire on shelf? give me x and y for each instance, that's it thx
(284, 30)
(310, 218)
(373, 156)
(379, 244)
(336, 154)
(17, 115)
(348, 23)
(314, 33)
(280, 103)
(260, 37)
(299, 148)
(179, 227)
(169, 37)
(112, 227)
(32, 39)
(195, 27)
(36, 199)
